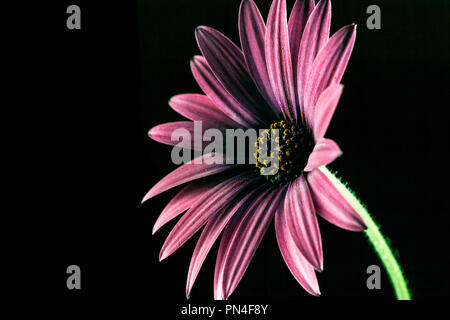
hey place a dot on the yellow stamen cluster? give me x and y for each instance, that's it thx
(295, 145)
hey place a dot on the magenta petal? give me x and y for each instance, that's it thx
(163, 133)
(208, 237)
(300, 268)
(325, 152)
(218, 94)
(329, 65)
(198, 107)
(297, 21)
(180, 203)
(228, 65)
(278, 58)
(240, 241)
(302, 222)
(187, 172)
(315, 35)
(212, 203)
(324, 110)
(331, 205)
(252, 32)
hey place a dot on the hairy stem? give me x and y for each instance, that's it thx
(375, 238)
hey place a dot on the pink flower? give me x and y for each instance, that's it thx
(287, 76)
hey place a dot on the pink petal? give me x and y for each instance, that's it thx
(198, 107)
(300, 268)
(331, 205)
(252, 32)
(209, 235)
(228, 234)
(187, 172)
(317, 31)
(180, 203)
(302, 222)
(325, 152)
(329, 65)
(228, 65)
(297, 21)
(163, 133)
(278, 58)
(324, 110)
(218, 94)
(240, 241)
(212, 203)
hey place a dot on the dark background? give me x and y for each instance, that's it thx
(96, 92)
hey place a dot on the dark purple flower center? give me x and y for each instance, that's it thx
(295, 145)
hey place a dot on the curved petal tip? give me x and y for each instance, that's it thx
(162, 255)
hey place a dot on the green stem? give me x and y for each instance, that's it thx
(376, 238)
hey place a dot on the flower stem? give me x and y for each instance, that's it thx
(376, 239)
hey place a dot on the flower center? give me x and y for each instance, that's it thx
(295, 144)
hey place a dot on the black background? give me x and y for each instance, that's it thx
(95, 92)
